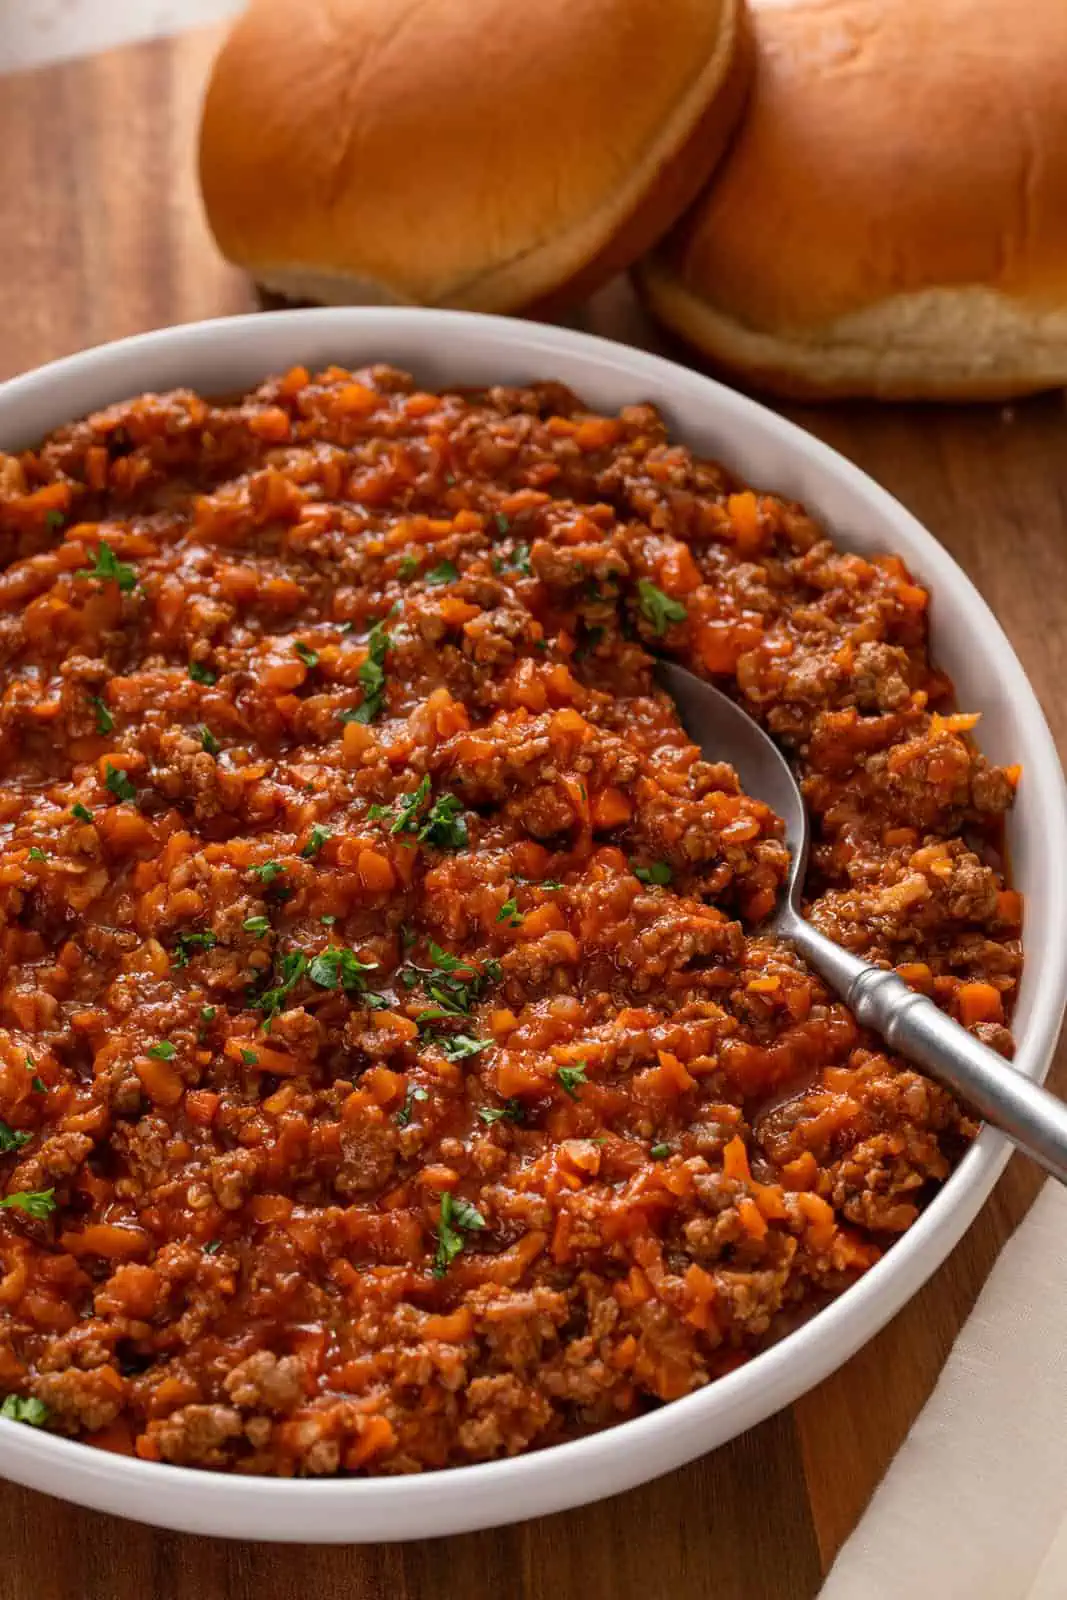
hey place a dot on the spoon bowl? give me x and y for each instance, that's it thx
(880, 1000)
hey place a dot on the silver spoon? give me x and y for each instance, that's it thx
(909, 1022)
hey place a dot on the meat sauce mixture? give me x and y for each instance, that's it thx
(392, 1071)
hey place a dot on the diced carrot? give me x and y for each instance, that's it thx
(161, 1082)
(201, 1106)
(542, 919)
(453, 1326)
(262, 1058)
(267, 1208)
(375, 872)
(106, 1239)
(611, 808)
(735, 1160)
(377, 1435)
(979, 1002)
(752, 1218)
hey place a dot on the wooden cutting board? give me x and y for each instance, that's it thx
(100, 236)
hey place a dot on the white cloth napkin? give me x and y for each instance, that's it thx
(974, 1507)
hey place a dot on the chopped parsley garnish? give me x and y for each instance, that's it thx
(335, 968)
(186, 943)
(249, 1058)
(509, 913)
(54, 518)
(199, 673)
(12, 1139)
(105, 722)
(316, 840)
(293, 967)
(372, 675)
(109, 568)
(267, 871)
(502, 522)
(20, 1408)
(511, 1111)
(208, 741)
(207, 1013)
(328, 920)
(659, 872)
(458, 1046)
(38, 1085)
(518, 561)
(119, 784)
(444, 572)
(444, 826)
(36, 1203)
(660, 1152)
(403, 1116)
(257, 925)
(163, 1050)
(36, 853)
(407, 808)
(658, 608)
(213, 1248)
(309, 657)
(408, 568)
(82, 813)
(458, 1217)
(571, 1079)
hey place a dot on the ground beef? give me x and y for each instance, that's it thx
(392, 1071)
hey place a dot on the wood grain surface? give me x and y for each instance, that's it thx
(100, 236)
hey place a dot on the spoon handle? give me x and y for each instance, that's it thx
(917, 1029)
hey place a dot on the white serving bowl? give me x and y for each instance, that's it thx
(442, 348)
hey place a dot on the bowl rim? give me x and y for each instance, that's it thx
(561, 1476)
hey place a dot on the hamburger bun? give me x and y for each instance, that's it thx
(473, 153)
(891, 219)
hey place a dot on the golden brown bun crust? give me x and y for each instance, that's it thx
(472, 153)
(891, 218)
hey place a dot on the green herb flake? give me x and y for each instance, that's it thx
(201, 674)
(444, 826)
(105, 722)
(414, 1093)
(257, 925)
(316, 839)
(336, 968)
(36, 853)
(163, 1050)
(408, 569)
(208, 741)
(458, 1046)
(660, 1152)
(119, 784)
(186, 943)
(309, 657)
(659, 872)
(54, 518)
(510, 914)
(457, 1218)
(371, 674)
(207, 1013)
(249, 1058)
(511, 1111)
(444, 572)
(12, 1139)
(328, 920)
(213, 1248)
(502, 522)
(267, 871)
(25, 1408)
(82, 813)
(36, 1203)
(658, 608)
(571, 1079)
(110, 569)
(407, 808)
(294, 965)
